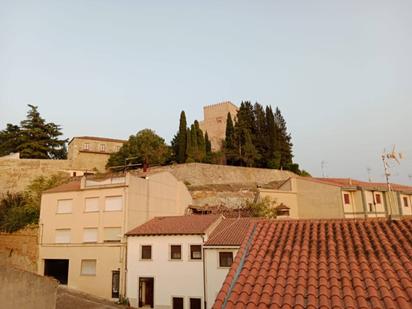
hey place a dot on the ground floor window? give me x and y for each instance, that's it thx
(177, 303)
(58, 269)
(195, 303)
(225, 259)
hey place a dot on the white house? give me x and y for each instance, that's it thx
(181, 261)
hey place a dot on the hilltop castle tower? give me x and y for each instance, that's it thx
(214, 122)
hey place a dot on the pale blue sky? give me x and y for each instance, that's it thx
(340, 71)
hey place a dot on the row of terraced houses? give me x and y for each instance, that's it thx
(336, 243)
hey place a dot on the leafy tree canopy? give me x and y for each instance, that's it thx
(146, 148)
(34, 138)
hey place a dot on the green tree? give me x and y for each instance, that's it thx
(284, 141)
(263, 208)
(229, 144)
(181, 139)
(10, 139)
(146, 148)
(34, 139)
(261, 135)
(272, 152)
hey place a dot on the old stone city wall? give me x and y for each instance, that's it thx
(20, 249)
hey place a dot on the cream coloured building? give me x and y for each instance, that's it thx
(92, 152)
(82, 224)
(323, 198)
(214, 122)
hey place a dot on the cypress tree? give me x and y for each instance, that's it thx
(208, 144)
(284, 141)
(261, 138)
(200, 142)
(273, 152)
(229, 143)
(189, 150)
(182, 139)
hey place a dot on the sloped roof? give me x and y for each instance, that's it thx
(101, 139)
(175, 225)
(322, 264)
(73, 185)
(230, 232)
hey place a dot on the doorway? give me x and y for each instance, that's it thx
(115, 283)
(146, 292)
(58, 269)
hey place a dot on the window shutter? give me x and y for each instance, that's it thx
(113, 203)
(91, 204)
(112, 234)
(64, 206)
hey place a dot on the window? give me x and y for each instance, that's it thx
(91, 204)
(195, 303)
(405, 201)
(88, 268)
(64, 206)
(378, 199)
(117, 148)
(346, 198)
(62, 236)
(176, 252)
(146, 252)
(90, 235)
(102, 147)
(225, 259)
(177, 303)
(370, 207)
(112, 234)
(86, 146)
(195, 252)
(113, 203)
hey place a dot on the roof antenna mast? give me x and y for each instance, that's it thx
(386, 158)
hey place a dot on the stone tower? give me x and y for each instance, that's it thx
(214, 122)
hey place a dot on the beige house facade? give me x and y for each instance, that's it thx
(92, 152)
(324, 198)
(214, 122)
(82, 226)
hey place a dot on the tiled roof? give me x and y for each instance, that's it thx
(101, 139)
(175, 225)
(230, 232)
(322, 264)
(348, 182)
(66, 187)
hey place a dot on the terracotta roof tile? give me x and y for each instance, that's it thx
(230, 232)
(73, 185)
(322, 264)
(175, 225)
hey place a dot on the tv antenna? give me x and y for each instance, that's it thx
(386, 158)
(369, 170)
(323, 166)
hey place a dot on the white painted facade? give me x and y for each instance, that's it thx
(374, 204)
(214, 274)
(172, 278)
(406, 207)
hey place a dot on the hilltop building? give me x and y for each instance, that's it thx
(214, 122)
(90, 151)
(82, 224)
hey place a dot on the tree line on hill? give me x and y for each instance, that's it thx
(34, 138)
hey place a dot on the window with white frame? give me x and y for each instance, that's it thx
(175, 252)
(102, 147)
(91, 204)
(195, 252)
(112, 234)
(225, 259)
(146, 253)
(86, 146)
(113, 203)
(90, 234)
(64, 206)
(88, 268)
(62, 236)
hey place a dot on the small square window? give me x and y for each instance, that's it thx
(91, 204)
(378, 199)
(346, 198)
(112, 234)
(175, 252)
(64, 206)
(177, 303)
(86, 146)
(195, 303)
(146, 252)
(62, 236)
(90, 235)
(225, 259)
(88, 268)
(195, 252)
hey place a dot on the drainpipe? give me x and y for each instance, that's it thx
(204, 273)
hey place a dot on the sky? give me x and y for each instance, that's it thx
(340, 71)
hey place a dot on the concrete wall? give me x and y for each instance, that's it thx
(318, 201)
(25, 290)
(20, 249)
(181, 278)
(215, 275)
(197, 174)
